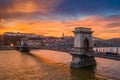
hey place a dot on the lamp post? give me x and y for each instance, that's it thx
(117, 48)
(2, 41)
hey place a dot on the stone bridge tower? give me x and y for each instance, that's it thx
(82, 54)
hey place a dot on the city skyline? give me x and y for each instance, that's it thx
(52, 18)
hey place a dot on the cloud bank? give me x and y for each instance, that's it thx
(51, 17)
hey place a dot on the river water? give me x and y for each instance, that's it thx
(52, 65)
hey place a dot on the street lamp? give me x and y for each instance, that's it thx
(117, 48)
(2, 41)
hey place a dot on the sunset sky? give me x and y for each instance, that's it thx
(53, 17)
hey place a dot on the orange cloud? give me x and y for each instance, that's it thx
(24, 7)
(29, 6)
(102, 27)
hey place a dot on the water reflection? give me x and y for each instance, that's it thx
(94, 73)
(85, 74)
(82, 74)
(52, 65)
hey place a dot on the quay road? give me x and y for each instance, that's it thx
(107, 56)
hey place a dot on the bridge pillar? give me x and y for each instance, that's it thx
(82, 54)
(24, 42)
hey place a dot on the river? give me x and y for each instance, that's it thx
(52, 65)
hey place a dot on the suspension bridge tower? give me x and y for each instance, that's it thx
(82, 54)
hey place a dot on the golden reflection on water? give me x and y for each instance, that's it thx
(61, 61)
(53, 57)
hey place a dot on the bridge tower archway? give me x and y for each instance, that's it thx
(86, 44)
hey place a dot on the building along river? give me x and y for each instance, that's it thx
(52, 65)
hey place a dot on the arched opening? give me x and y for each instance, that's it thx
(86, 45)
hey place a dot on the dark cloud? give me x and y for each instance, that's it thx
(112, 18)
(113, 25)
(10, 8)
(4, 4)
(88, 6)
(112, 31)
(22, 8)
